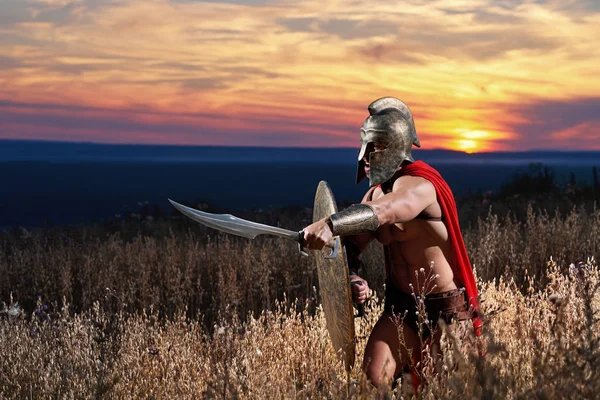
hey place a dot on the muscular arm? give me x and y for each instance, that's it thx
(409, 197)
(356, 244)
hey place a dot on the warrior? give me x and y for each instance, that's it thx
(411, 211)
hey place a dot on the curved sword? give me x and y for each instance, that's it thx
(237, 226)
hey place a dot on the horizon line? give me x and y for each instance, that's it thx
(130, 144)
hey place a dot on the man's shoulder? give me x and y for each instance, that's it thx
(421, 169)
(412, 182)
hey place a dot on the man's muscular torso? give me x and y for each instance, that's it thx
(409, 246)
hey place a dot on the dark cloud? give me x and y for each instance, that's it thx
(297, 24)
(10, 39)
(225, 78)
(348, 29)
(557, 5)
(57, 16)
(414, 37)
(123, 63)
(240, 2)
(592, 5)
(43, 117)
(571, 7)
(480, 46)
(18, 11)
(343, 28)
(486, 17)
(220, 35)
(561, 115)
(9, 62)
(103, 63)
(454, 11)
(82, 128)
(200, 83)
(387, 52)
(104, 121)
(77, 69)
(178, 66)
(545, 118)
(13, 11)
(511, 4)
(41, 108)
(250, 72)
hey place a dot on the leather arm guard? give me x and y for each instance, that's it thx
(358, 218)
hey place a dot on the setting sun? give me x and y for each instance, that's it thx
(471, 141)
(467, 145)
(473, 134)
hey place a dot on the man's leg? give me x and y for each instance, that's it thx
(387, 351)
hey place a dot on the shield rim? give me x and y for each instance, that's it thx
(331, 316)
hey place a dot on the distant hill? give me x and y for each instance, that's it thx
(20, 150)
(56, 183)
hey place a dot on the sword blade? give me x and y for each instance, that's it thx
(236, 226)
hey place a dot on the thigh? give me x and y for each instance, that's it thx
(392, 346)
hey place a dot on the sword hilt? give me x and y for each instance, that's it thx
(335, 245)
(301, 244)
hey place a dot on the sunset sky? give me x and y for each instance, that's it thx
(479, 75)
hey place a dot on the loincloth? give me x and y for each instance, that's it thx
(450, 306)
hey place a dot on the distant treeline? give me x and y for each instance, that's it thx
(538, 188)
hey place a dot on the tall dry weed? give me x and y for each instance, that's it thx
(146, 314)
(541, 344)
(190, 270)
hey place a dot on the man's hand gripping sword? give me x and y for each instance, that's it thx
(240, 227)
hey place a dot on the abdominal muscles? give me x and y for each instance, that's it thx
(418, 251)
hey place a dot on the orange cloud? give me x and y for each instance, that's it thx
(283, 67)
(585, 135)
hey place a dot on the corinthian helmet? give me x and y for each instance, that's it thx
(390, 124)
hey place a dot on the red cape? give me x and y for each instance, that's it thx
(461, 267)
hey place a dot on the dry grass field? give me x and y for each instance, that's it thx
(157, 311)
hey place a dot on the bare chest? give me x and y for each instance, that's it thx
(389, 234)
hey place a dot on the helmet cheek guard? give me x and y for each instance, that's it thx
(360, 171)
(391, 125)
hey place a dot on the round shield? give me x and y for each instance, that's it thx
(334, 285)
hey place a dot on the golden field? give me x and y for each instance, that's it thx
(153, 309)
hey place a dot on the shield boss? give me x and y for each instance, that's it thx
(334, 285)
